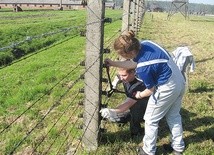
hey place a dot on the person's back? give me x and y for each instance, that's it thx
(153, 65)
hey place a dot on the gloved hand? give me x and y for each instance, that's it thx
(110, 114)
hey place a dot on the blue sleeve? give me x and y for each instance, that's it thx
(147, 76)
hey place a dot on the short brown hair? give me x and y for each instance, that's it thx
(126, 43)
(127, 70)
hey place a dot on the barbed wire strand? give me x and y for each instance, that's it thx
(48, 92)
(66, 138)
(58, 134)
(66, 109)
(50, 109)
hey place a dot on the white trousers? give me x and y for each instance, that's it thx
(165, 102)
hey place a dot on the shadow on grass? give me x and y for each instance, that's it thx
(122, 135)
(119, 142)
(204, 60)
(201, 90)
(202, 20)
(194, 125)
(191, 123)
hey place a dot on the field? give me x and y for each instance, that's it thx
(40, 86)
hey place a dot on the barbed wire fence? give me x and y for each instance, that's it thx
(78, 126)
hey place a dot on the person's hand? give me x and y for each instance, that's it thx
(108, 62)
(110, 114)
(137, 95)
(107, 113)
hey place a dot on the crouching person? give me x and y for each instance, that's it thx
(132, 109)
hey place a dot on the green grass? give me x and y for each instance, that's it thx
(25, 81)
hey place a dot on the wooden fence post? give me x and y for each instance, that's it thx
(93, 75)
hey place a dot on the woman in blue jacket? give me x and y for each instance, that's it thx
(163, 81)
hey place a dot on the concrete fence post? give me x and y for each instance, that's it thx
(93, 75)
(126, 16)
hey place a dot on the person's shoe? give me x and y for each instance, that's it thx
(168, 148)
(140, 151)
